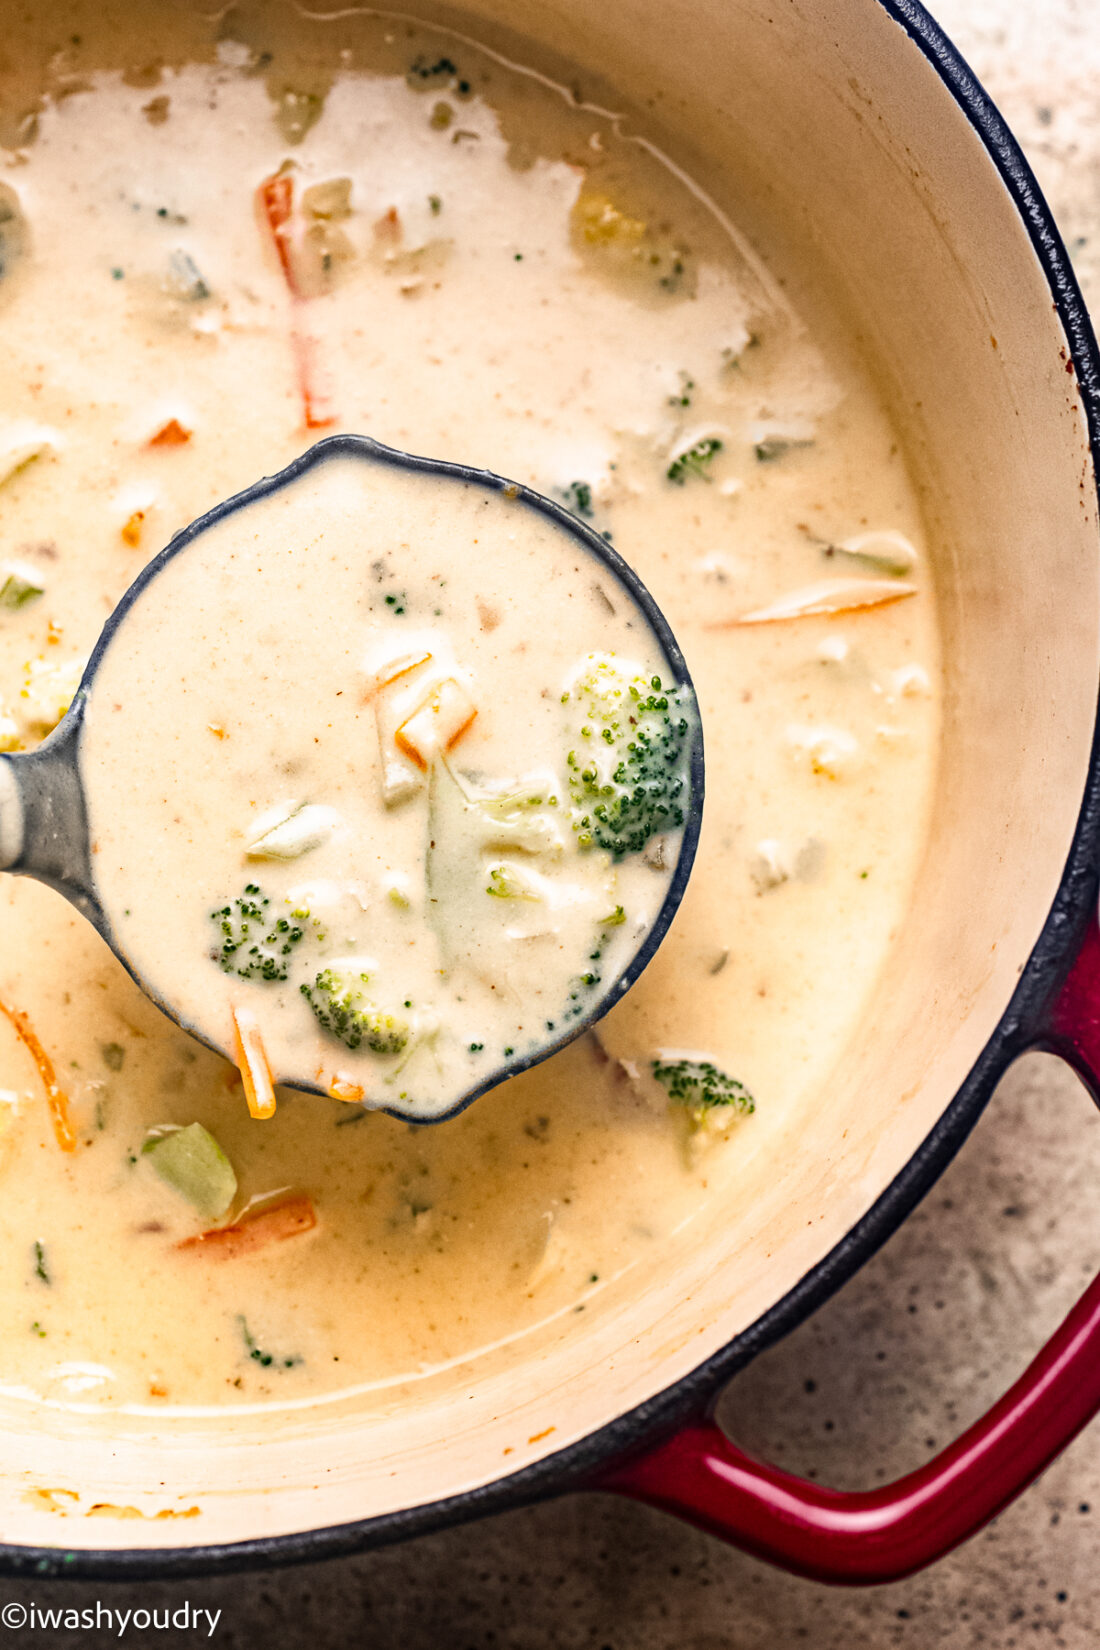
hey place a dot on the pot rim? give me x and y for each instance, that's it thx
(577, 1465)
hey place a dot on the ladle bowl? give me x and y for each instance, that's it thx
(44, 831)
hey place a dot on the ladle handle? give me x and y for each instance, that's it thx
(44, 820)
(879, 1535)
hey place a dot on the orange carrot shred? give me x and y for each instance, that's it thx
(276, 197)
(276, 200)
(131, 532)
(259, 1090)
(274, 1224)
(55, 1094)
(171, 434)
(346, 1089)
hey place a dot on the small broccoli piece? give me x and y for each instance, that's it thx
(253, 945)
(694, 461)
(337, 999)
(628, 777)
(710, 1098)
(578, 498)
(509, 882)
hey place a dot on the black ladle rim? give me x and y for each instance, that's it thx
(364, 447)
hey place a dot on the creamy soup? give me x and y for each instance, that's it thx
(465, 799)
(219, 239)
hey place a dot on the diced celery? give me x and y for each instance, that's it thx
(18, 585)
(193, 1164)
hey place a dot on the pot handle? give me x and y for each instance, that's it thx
(869, 1536)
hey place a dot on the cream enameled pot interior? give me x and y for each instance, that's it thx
(826, 119)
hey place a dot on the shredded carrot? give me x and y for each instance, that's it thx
(171, 434)
(259, 1090)
(276, 197)
(274, 1224)
(55, 1094)
(131, 532)
(345, 1088)
(388, 226)
(276, 201)
(829, 598)
(315, 399)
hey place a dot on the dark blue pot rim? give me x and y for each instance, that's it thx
(578, 1465)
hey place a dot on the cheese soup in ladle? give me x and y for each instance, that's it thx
(387, 780)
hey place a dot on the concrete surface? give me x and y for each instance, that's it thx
(910, 1351)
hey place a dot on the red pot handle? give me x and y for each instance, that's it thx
(883, 1534)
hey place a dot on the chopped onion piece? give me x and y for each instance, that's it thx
(302, 830)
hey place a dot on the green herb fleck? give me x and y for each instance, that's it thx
(40, 1268)
(114, 1056)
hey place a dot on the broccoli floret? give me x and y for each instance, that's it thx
(702, 1089)
(252, 944)
(628, 778)
(694, 462)
(338, 1000)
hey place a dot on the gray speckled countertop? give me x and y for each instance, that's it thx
(942, 1319)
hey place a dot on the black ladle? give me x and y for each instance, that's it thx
(43, 813)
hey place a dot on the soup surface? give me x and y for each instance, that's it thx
(218, 240)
